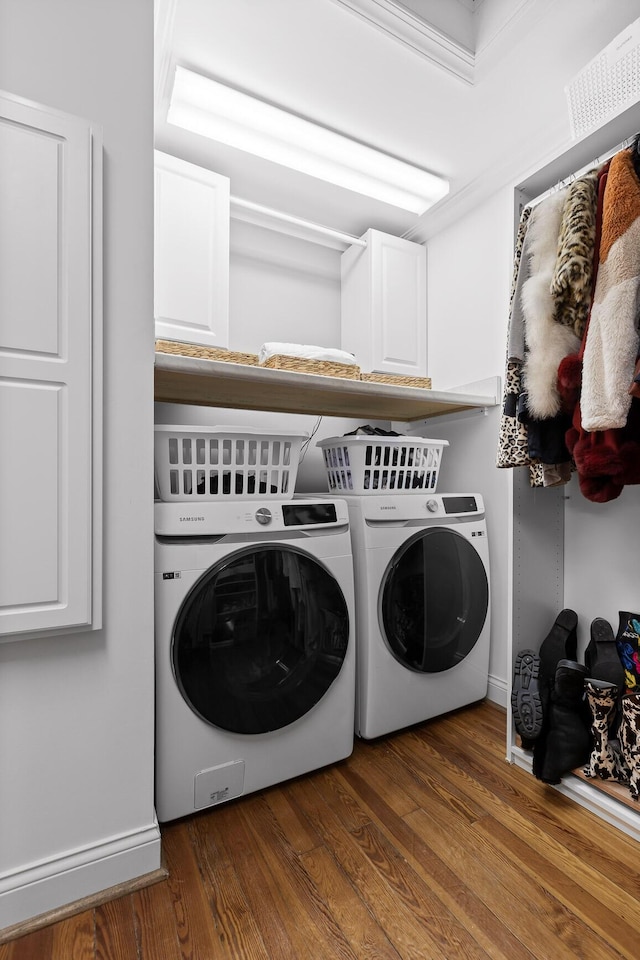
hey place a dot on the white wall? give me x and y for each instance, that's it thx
(281, 288)
(76, 712)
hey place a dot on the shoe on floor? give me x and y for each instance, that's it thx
(561, 643)
(526, 702)
(601, 656)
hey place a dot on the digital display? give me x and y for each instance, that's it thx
(300, 514)
(459, 504)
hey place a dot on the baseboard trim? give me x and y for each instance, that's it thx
(497, 691)
(44, 888)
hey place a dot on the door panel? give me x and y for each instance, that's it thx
(434, 601)
(259, 639)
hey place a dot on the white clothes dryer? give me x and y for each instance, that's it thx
(255, 658)
(422, 607)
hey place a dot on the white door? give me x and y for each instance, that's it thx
(46, 382)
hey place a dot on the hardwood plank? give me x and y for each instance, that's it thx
(235, 924)
(74, 938)
(116, 930)
(368, 939)
(461, 900)
(301, 835)
(155, 923)
(196, 931)
(415, 919)
(34, 946)
(608, 863)
(310, 924)
(238, 844)
(620, 932)
(545, 926)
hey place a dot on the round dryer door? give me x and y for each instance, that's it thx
(434, 601)
(259, 639)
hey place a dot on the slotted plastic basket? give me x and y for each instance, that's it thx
(368, 465)
(209, 463)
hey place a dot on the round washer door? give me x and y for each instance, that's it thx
(434, 601)
(259, 639)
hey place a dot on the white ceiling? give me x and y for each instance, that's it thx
(453, 86)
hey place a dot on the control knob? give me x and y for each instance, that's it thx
(263, 516)
(432, 506)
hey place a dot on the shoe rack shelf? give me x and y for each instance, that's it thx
(609, 801)
(539, 567)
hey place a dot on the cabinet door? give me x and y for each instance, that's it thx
(191, 253)
(46, 386)
(384, 304)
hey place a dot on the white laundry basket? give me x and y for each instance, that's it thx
(365, 464)
(211, 463)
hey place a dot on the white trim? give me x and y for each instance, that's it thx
(262, 216)
(497, 690)
(48, 884)
(420, 37)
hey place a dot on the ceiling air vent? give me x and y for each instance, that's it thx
(608, 84)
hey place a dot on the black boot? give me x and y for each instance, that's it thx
(561, 643)
(566, 740)
(601, 656)
(526, 702)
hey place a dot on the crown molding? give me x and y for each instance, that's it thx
(399, 23)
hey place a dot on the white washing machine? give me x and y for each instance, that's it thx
(422, 607)
(255, 656)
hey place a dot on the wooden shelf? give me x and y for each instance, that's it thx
(215, 383)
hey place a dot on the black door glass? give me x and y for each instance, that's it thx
(259, 639)
(434, 602)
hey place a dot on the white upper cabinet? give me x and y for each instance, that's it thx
(50, 372)
(384, 304)
(191, 253)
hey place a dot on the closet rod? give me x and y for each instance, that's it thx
(596, 162)
(296, 221)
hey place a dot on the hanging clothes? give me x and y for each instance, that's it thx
(612, 341)
(571, 283)
(512, 435)
(546, 341)
(606, 460)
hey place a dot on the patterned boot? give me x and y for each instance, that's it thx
(628, 646)
(630, 740)
(604, 761)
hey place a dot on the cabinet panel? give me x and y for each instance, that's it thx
(384, 304)
(47, 381)
(191, 253)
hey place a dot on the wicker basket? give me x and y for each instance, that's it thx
(397, 379)
(205, 353)
(323, 368)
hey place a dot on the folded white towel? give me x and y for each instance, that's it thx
(305, 350)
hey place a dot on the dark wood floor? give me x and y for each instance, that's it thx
(422, 845)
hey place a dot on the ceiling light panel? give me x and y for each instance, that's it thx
(213, 110)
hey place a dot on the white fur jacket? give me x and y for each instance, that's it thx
(612, 337)
(547, 341)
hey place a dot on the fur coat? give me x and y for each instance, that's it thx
(546, 340)
(612, 338)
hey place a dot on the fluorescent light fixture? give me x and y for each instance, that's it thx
(214, 110)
